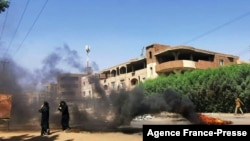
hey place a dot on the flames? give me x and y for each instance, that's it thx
(213, 121)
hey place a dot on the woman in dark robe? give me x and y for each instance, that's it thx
(63, 108)
(44, 110)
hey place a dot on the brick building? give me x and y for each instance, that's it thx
(162, 59)
(159, 59)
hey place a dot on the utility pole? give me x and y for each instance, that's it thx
(4, 63)
(88, 67)
(2, 75)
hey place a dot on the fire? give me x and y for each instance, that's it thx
(213, 121)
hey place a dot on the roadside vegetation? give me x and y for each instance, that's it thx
(210, 90)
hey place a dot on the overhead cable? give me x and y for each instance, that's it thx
(30, 29)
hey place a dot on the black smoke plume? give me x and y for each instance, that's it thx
(102, 113)
(130, 104)
(127, 104)
(51, 68)
(28, 87)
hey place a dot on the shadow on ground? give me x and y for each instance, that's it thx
(124, 129)
(27, 137)
(104, 127)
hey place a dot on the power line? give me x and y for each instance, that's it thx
(218, 27)
(243, 52)
(44, 5)
(19, 23)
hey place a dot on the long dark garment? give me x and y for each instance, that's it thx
(63, 108)
(44, 110)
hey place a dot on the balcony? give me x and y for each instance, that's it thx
(174, 65)
(183, 65)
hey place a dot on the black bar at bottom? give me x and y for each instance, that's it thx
(162, 132)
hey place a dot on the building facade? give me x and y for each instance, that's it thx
(161, 59)
(69, 85)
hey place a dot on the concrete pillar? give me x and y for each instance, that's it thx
(176, 55)
(191, 57)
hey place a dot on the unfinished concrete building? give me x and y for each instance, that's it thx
(162, 59)
(69, 85)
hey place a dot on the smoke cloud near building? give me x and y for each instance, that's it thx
(125, 105)
(106, 112)
(28, 87)
(58, 62)
(129, 104)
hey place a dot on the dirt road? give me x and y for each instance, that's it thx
(77, 135)
(61, 136)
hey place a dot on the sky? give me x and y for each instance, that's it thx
(118, 30)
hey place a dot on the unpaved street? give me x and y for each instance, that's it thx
(77, 135)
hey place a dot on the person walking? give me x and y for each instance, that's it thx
(44, 110)
(63, 108)
(238, 104)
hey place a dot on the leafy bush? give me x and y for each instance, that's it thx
(211, 90)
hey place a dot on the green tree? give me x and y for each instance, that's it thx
(210, 90)
(4, 4)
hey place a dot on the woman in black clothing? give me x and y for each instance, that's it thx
(63, 108)
(44, 110)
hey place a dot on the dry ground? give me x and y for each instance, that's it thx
(77, 135)
(73, 136)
